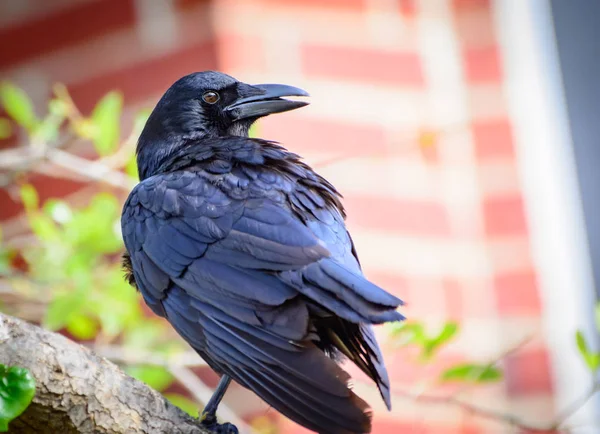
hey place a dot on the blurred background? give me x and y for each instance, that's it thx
(471, 123)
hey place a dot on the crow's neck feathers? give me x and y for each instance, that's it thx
(221, 154)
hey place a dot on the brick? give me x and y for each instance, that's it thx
(517, 293)
(302, 134)
(408, 8)
(470, 4)
(46, 187)
(407, 216)
(240, 53)
(528, 373)
(425, 298)
(143, 79)
(482, 65)
(393, 283)
(475, 27)
(405, 366)
(356, 5)
(493, 139)
(504, 215)
(359, 64)
(487, 102)
(187, 4)
(383, 425)
(67, 26)
(453, 293)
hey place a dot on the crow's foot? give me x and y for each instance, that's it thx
(209, 421)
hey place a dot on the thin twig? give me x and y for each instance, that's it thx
(91, 169)
(572, 408)
(506, 418)
(120, 354)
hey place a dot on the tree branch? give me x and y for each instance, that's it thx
(79, 392)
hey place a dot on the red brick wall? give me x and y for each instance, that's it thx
(437, 215)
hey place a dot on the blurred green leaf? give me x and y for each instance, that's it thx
(18, 105)
(407, 332)
(94, 227)
(470, 372)
(105, 117)
(186, 404)
(58, 107)
(140, 120)
(119, 306)
(597, 311)
(5, 266)
(144, 334)
(47, 130)
(81, 326)
(131, 167)
(64, 308)
(43, 227)
(17, 389)
(592, 360)
(156, 377)
(59, 210)
(5, 128)
(254, 130)
(29, 197)
(430, 346)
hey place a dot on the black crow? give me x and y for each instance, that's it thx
(242, 247)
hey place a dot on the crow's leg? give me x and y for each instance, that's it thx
(209, 414)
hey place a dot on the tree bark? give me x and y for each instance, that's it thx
(80, 392)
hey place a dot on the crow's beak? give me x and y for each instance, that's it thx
(267, 102)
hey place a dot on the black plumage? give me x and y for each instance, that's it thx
(243, 248)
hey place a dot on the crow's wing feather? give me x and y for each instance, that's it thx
(175, 225)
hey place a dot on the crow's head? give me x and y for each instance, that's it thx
(212, 104)
(209, 104)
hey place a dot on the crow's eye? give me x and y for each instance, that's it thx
(210, 97)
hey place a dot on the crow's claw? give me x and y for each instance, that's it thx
(219, 428)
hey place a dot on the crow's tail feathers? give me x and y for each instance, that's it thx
(296, 378)
(345, 293)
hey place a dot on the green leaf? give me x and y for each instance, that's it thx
(59, 210)
(254, 130)
(470, 372)
(186, 404)
(105, 117)
(29, 197)
(131, 167)
(18, 105)
(118, 307)
(93, 228)
(432, 345)
(156, 377)
(140, 120)
(58, 107)
(144, 334)
(17, 388)
(407, 332)
(44, 227)
(47, 130)
(592, 360)
(63, 309)
(5, 128)
(82, 326)
(597, 311)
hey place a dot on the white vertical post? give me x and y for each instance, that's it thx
(537, 108)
